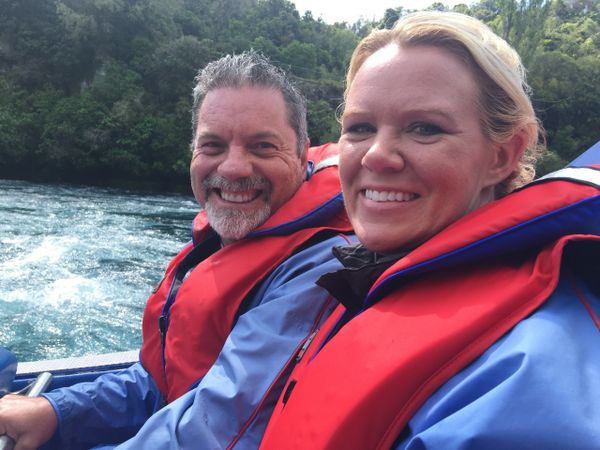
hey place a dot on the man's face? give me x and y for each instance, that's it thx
(245, 162)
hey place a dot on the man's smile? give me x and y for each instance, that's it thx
(238, 196)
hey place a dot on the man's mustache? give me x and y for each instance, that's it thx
(243, 184)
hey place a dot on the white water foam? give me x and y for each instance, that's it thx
(77, 264)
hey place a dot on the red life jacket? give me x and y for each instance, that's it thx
(186, 325)
(429, 316)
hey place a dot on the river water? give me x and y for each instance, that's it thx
(77, 264)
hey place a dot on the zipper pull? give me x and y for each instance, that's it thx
(305, 346)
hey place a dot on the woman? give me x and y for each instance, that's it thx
(471, 316)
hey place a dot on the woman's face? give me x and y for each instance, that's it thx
(413, 157)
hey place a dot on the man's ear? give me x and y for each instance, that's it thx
(304, 159)
(506, 157)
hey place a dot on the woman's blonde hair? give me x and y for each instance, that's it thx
(503, 101)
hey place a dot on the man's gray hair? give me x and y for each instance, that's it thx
(251, 69)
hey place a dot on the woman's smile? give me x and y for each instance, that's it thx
(388, 195)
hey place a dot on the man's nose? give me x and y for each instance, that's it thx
(236, 164)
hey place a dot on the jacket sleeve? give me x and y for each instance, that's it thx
(537, 387)
(234, 400)
(109, 409)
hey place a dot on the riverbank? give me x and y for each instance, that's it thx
(182, 187)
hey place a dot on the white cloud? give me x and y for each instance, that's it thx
(351, 10)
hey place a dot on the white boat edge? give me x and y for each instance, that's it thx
(98, 362)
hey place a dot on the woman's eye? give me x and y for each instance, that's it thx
(359, 128)
(425, 129)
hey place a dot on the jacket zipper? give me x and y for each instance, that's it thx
(287, 368)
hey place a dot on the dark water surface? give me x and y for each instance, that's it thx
(77, 264)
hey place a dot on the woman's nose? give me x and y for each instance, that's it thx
(236, 164)
(384, 155)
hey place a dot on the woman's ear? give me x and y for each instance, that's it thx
(506, 157)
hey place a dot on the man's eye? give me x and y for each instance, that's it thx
(211, 147)
(212, 144)
(262, 146)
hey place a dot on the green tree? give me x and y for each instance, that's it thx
(321, 123)
(390, 17)
(301, 58)
(94, 89)
(521, 23)
(174, 65)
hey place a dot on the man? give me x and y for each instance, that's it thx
(236, 304)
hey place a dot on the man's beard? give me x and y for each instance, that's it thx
(234, 224)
